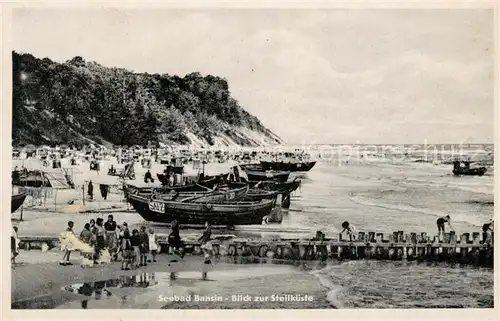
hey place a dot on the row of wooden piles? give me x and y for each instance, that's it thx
(468, 248)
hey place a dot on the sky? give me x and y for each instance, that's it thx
(311, 76)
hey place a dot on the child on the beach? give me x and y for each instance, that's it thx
(126, 249)
(153, 244)
(86, 234)
(175, 243)
(66, 244)
(135, 241)
(206, 246)
(144, 247)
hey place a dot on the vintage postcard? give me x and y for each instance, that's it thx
(323, 157)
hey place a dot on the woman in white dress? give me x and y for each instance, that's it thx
(153, 243)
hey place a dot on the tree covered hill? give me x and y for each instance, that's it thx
(77, 102)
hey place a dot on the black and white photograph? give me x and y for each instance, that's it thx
(222, 158)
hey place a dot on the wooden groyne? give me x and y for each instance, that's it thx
(469, 248)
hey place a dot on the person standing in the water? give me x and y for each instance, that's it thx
(441, 222)
(488, 230)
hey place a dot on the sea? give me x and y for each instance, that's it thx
(385, 189)
(407, 189)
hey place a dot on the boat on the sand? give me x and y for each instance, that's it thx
(259, 194)
(255, 175)
(217, 195)
(298, 166)
(16, 202)
(224, 213)
(276, 186)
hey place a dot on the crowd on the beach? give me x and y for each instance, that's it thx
(103, 242)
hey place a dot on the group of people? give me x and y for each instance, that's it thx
(135, 247)
(101, 242)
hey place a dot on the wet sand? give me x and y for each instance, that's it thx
(39, 285)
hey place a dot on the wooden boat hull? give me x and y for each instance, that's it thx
(220, 195)
(280, 176)
(31, 179)
(288, 166)
(16, 202)
(257, 195)
(164, 189)
(277, 186)
(229, 214)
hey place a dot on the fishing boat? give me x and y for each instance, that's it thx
(30, 178)
(224, 213)
(288, 166)
(276, 186)
(16, 202)
(467, 170)
(258, 194)
(250, 166)
(280, 176)
(148, 190)
(218, 195)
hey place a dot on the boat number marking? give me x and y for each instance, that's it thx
(157, 207)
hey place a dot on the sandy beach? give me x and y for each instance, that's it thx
(38, 282)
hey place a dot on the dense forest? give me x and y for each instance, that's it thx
(77, 102)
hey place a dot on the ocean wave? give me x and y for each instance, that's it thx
(334, 291)
(389, 284)
(480, 186)
(376, 202)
